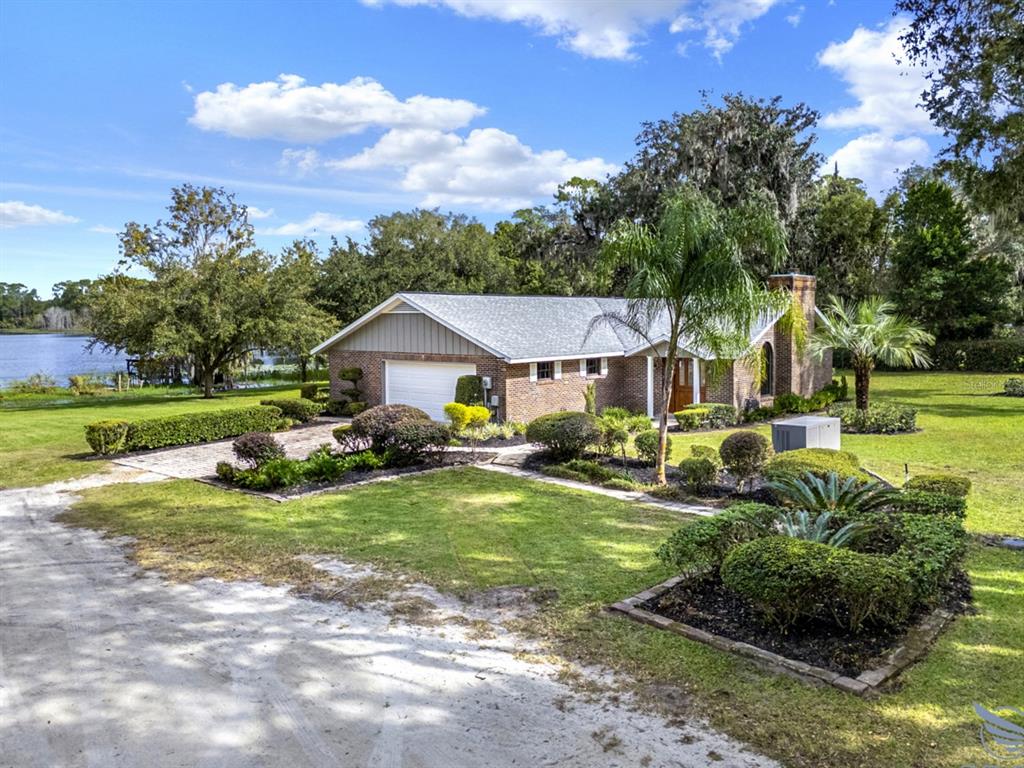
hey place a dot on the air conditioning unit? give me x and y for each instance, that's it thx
(805, 432)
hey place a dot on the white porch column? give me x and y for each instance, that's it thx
(696, 380)
(650, 386)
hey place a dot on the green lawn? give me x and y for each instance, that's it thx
(965, 427)
(47, 442)
(468, 529)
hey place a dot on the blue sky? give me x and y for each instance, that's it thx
(321, 115)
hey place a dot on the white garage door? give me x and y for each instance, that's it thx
(425, 385)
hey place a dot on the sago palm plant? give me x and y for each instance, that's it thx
(799, 525)
(812, 493)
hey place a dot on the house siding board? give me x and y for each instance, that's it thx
(409, 333)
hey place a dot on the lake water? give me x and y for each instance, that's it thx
(55, 354)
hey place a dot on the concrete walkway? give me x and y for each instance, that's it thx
(104, 666)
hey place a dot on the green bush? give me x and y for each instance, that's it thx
(646, 444)
(711, 415)
(914, 502)
(354, 408)
(930, 550)
(691, 418)
(314, 390)
(277, 473)
(699, 474)
(226, 471)
(458, 415)
(744, 454)
(788, 402)
(707, 452)
(107, 436)
(1014, 387)
(817, 461)
(881, 418)
(415, 439)
(85, 385)
(256, 448)
(201, 427)
(995, 355)
(296, 408)
(564, 435)
(699, 547)
(951, 485)
(787, 579)
(586, 471)
(469, 390)
(350, 374)
(616, 417)
(376, 426)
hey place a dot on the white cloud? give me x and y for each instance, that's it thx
(489, 168)
(887, 92)
(877, 159)
(600, 29)
(796, 16)
(290, 110)
(15, 213)
(301, 162)
(721, 21)
(318, 223)
(104, 230)
(259, 213)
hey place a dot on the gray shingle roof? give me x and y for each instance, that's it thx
(533, 327)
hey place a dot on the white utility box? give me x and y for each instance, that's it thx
(805, 432)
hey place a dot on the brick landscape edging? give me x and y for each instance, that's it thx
(914, 645)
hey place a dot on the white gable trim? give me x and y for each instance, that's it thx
(552, 358)
(397, 300)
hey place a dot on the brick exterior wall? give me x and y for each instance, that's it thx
(797, 371)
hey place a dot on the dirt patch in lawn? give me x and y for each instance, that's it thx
(708, 605)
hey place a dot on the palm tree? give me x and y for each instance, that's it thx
(871, 331)
(689, 281)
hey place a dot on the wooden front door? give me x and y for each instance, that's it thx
(682, 385)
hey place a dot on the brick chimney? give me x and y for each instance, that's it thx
(797, 371)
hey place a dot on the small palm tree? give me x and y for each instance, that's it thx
(690, 285)
(871, 332)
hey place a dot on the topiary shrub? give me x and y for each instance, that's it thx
(376, 426)
(744, 453)
(699, 474)
(458, 415)
(646, 444)
(257, 448)
(414, 439)
(691, 418)
(707, 452)
(354, 408)
(1014, 387)
(913, 502)
(818, 461)
(350, 374)
(787, 579)
(469, 390)
(564, 435)
(882, 418)
(951, 485)
(297, 408)
(107, 436)
(699, 547)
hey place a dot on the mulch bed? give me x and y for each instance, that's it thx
(498, 442)
(448, 459)
(706, 604)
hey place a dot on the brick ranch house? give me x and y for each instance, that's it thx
(537, 355)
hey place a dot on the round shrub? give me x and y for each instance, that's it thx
(700, 546)
(564, 435)
(415, 439)
(646, 444)
(257, 448)
(377, 425)
(818, 461)
(477, 416)
(706, 452)
(744, 453)
(458, 415)
(787, 579)
(699, 474)
(107, 436)
(951, 485)
(1014, 387)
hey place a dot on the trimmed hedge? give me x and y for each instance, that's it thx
(297, 408)
(994, 355)
(951, 485)
(879, 419)
(931, 549)
(183, 429)
(712, 415)
(691, 418)
(787, 579)
(699, 547)
(929, 503)
(565, 435)
(818, 461)
(469, 390)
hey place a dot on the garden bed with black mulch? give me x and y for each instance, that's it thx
(708, 605)
(448, 459)
(496, 442)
